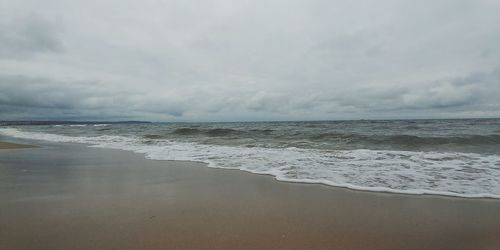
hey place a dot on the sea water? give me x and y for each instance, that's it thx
(446, 157)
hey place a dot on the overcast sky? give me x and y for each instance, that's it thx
(223, 60)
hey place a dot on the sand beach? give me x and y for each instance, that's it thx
(66, 196)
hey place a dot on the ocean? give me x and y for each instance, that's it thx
(442, 157)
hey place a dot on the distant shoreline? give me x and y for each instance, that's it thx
(10, 145)
(68, 122)
(16, 123)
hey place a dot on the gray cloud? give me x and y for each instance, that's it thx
(475, 89)
(25, 36)
(21, 96)
(249, 60)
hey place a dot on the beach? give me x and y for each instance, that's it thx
(67, 196)
(10, 145)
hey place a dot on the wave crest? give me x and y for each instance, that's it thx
(216, 132)
(409, 140)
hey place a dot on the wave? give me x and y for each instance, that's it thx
(153, 137)
(463, 140)
(346, 137)
(222, 132)
(216, 132)
(187, 131)
(408, 172)
(410, 140)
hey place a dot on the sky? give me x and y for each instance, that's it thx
(238, 60)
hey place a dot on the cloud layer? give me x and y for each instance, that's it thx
(248, 60)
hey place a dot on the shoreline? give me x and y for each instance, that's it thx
(382, 190)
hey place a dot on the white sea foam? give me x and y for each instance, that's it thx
(408, 172)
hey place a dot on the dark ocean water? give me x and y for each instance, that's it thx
(451, 157)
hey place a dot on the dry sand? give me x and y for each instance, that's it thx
(73, 197)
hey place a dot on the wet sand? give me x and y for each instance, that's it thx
(62, 196)
(10, 145)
